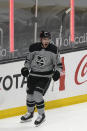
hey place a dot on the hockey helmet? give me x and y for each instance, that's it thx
(45, 34)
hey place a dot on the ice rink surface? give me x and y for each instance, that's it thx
(70, 118)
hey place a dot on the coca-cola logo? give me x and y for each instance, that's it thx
(81, 71)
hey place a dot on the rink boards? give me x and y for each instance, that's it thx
(70, 89)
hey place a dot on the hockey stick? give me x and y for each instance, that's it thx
(60, 35)
(61, 27)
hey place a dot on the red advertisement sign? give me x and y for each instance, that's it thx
(82, 68)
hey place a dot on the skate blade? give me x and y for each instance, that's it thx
(40, 123)
(24, 121)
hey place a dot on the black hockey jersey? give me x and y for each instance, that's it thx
(42, 61)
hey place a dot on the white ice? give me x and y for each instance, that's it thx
(70, 118)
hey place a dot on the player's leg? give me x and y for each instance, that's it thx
(30, 103)
(40, 106)
(38, 95)
(30, 108)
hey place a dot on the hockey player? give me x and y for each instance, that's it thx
(41, 64)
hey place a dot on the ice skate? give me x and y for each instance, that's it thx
(40, 119)
(27, 117)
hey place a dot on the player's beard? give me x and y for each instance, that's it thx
(45, 45)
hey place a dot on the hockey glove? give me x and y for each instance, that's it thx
(56, 75)
(25, 71)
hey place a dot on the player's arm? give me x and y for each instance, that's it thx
(57, 65)
(27, 63)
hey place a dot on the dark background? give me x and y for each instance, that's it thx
(49, 19)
